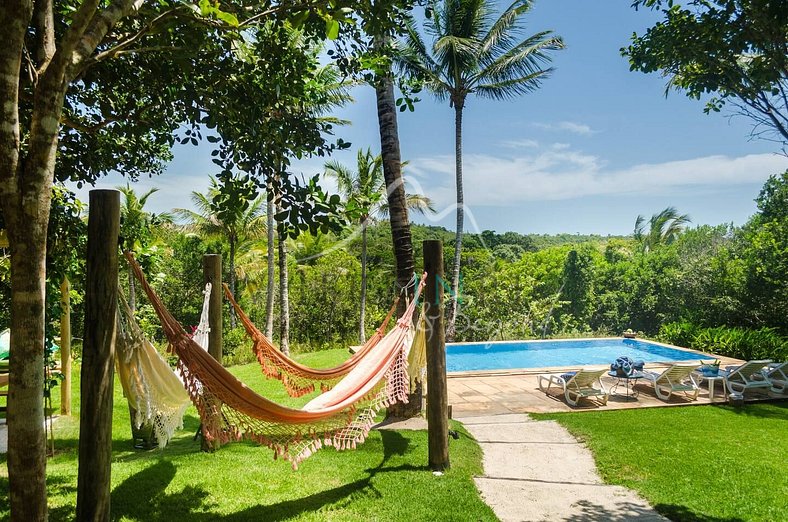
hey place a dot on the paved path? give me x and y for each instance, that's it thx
(536, 471)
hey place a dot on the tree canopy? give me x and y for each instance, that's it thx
(734, 50)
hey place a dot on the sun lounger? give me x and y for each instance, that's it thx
(777, 373)
(746, 377)
(676, 378)
(576, 385)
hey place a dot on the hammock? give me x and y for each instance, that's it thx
(341, 417)
(154, 392)
(298, 379)
(200, 334)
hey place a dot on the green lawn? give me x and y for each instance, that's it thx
(700, 463)
(384, 479)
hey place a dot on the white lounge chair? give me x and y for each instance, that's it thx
(676, 378)
(777, 373)
(747, 377)
(576, 385)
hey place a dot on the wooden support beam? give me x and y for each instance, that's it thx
(212, 273)
(65, 347)
(437, 397)
(98, 357)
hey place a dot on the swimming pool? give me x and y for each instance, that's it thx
(463, 357)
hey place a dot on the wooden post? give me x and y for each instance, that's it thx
(65, 347)
(437, 398)
(212, 273)
(98, 357)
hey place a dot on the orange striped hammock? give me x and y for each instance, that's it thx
(341, 417)
(298, 379)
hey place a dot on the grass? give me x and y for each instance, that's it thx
(702, 463)
(384, 479)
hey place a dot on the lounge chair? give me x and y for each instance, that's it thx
(777, 373)
(576, 385)
(676, 378)
(748, 376)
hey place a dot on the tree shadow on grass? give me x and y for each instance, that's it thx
(776, 409)
(685, 514)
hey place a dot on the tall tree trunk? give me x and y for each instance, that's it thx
(132, 293)
(395, 188)
(26, 435)
(362, 334)
(284, 305)
(398, 211)
(25, 194)
(232, 279)
(455, 275)
(269, 291)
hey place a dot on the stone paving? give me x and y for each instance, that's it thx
(536, 471)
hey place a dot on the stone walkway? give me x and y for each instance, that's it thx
(536, 471)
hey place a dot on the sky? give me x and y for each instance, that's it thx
(588, 152)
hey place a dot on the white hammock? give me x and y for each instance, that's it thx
(153, 390)
(200, 335)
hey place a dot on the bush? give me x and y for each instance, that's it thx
(679, 333)
(741, 343)
(236, 347)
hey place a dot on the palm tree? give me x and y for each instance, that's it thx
(135, 229)
(236, 219)
(475, 53)
(663, 228)
(366, 188)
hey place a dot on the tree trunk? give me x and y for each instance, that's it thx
(26, 435)
(395, 188)
(398, 211)
(284, 305)
(269, 290)
(232, 280)
(362, 334)
(455, 275)
(25, 194)
(25, 198)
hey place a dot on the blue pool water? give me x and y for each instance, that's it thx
(538, 354)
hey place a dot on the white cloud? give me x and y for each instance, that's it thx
(520, 144)
(568, 126)
(564, 174)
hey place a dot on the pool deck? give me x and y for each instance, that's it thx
(517, 391)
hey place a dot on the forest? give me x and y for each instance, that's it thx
(720, 289)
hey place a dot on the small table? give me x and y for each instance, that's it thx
(711, 379)
(629, 383)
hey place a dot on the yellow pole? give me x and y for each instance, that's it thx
(65, 347)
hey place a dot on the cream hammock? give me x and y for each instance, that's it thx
(341, 417)
(298, 379)
(154, 392)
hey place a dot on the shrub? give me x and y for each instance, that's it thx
(236, 347)
(741, 343)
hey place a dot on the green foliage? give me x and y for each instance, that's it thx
(578, 280)
(236, 347)
(324, 296)
(740, 343)
(732, 48)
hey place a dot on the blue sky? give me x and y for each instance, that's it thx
(593, 148)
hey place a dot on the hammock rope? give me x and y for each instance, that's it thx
(341, 417)
(298, 379)
(152, 389)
